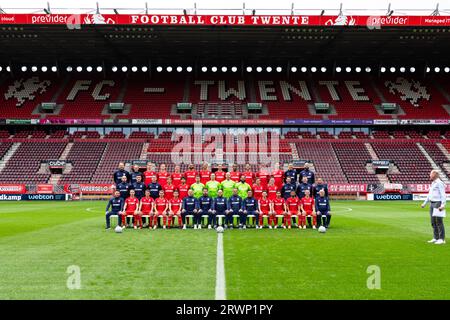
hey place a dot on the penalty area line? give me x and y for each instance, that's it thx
(220, 270)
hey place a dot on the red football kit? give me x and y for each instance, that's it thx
(175, 205)
(146, 205)
(161, 204)
(132, 205)
(278, 176)
(235, 176)
(162, 178)
(220, 175)
(148, 176)
(264, 176)
(168, 191)
(278, 205)
(190, 177)
(176, 179)
(264, 205)
(249, 177)
(257, 192)
(146, 208)
(205, 176)
(308, 205)
(183, 191)
(272, 192)
(292, 204)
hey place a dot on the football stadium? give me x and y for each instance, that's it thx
(224, 151)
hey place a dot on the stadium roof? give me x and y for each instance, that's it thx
(223, 45)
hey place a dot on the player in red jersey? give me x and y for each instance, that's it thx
(220, 174)
(163, 175)
(272, 189)
(161, 209)
(183, 189)
(278, 206)
(264, 175)
(175, 209)
(257, 189)
(249, 175)
(265, 210)
(308, 209)
(278, 175)
(131, 209)
(169, 188)
(235, 175)
(205, 174)
(190, 175)
(146, 207)
(176, 176)
(149, 173)
(293, 209)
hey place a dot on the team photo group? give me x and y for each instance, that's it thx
(220, 199)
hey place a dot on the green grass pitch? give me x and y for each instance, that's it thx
(40, 240)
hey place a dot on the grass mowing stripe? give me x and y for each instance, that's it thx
(220, 270)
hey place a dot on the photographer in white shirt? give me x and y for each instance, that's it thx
(437, 198)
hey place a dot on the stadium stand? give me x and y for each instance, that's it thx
(224, 96)
(24, 165)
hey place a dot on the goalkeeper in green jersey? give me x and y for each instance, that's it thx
(213, 186)
(243, 187)
(227, 186)
(197, 187)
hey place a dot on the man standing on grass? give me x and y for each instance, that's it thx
(437, 198)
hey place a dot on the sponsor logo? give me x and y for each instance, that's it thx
(10, 197)
(392, 197)
(341, 20)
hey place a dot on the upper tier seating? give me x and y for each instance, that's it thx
(350, 97)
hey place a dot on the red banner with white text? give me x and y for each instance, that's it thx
(13, 189)
(44, 188)
(424, 188)
(345, 188)
(73, 21)
(89, 188)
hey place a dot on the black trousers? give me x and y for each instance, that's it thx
(108, 216)
(437, 223)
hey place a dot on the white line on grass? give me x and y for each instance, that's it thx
(220, 270)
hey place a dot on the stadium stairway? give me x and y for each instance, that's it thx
(8, 155)
(433, 164)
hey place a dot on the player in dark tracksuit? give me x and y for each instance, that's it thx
(136, 173)
(189, 207)
(234, 207)
(120, 172)
(220, 207)
(250, 207)
(308, 174)
(206, 207)
(154, 188)
(124, 188)
(287, 188)
(319, 186)
(291, 173)
(323, 209)
(139, 188)
(302, 187)
(116, 205)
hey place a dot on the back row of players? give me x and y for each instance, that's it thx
(152, 194)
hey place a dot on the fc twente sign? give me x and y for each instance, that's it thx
(76, 20)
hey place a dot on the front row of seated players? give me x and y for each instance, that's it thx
(315, 212)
